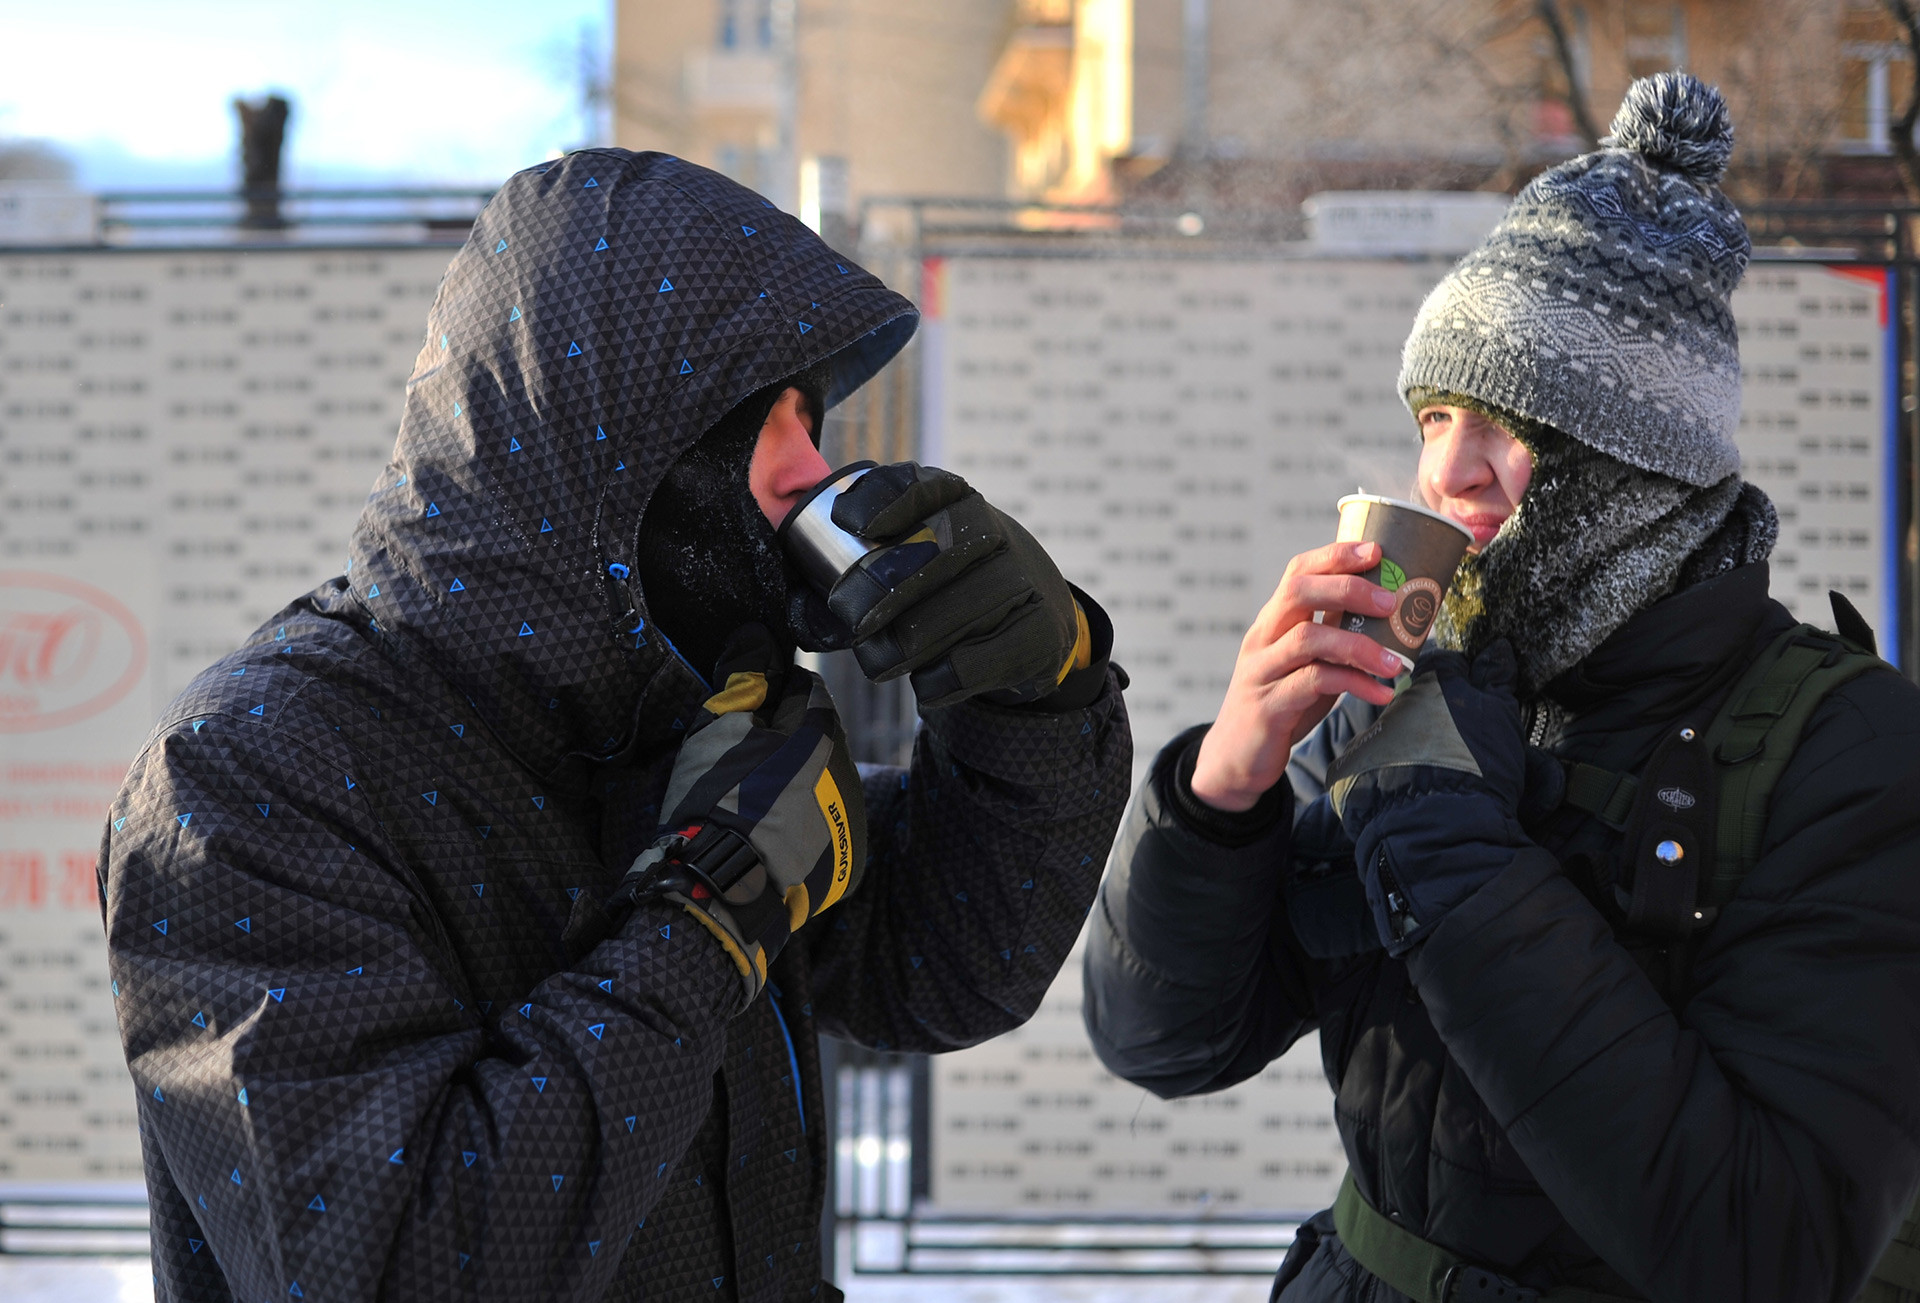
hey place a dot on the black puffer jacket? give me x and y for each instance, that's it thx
(339, 877)
(1519, 1090)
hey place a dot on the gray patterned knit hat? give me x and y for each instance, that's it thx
(1598, 305)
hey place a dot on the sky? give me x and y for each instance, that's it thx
(137, 93)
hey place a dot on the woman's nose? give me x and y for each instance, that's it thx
(1461, 469)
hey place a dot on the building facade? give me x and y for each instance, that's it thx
(1237, 103)
(1255, 102)
(818, 104)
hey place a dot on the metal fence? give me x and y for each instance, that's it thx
(373, 216)
(69, 1221)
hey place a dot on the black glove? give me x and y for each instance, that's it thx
(1431, 794)
(767, 824)
(964, 599)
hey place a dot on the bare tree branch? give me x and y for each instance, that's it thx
(1904, 152)
(1549, 12)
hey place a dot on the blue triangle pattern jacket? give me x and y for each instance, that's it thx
(337, 882)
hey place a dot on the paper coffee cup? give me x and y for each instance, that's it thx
(1419, 551)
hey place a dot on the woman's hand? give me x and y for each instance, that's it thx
(1291, 671)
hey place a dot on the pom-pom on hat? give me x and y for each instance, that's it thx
(1599, 304)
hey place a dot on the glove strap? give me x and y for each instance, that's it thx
(713, 873)
(718, 854)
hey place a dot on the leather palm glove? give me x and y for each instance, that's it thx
(1432, 793)
(766, 822)
(962, 598)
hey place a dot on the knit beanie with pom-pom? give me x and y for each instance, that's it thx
(1598, 305)
(1593, 325)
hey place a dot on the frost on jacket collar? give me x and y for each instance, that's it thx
(608, 309)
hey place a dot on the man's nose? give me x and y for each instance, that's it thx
(799, 466)
(785, 465)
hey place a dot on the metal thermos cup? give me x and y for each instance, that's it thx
(821, 549)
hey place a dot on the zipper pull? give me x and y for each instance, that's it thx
(1399, 910)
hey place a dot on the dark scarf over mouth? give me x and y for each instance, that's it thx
(1593, 542)
(709, 560)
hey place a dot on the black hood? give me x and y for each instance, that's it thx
(608, 308)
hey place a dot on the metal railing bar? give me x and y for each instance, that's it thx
(938, 1216)
(288, 196)
(1264, 1271)
(287, 222)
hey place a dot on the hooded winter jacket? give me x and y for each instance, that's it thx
(1524, 1089)
(338, 880)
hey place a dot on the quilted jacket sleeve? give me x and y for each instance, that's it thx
(341, 1120)
(1196, 978)
(1192, 979)
(984, 857)
(1760, 1141)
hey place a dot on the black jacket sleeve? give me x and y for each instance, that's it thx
(319, 1080)
(1195, 977)
(1192, 978)
(1761, 1141)
(983, 858)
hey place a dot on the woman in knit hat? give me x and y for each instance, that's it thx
(1602, 1023)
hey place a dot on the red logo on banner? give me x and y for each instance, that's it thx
(67, 651)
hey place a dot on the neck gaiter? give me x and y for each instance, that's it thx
(708, 559)
(1593, 541)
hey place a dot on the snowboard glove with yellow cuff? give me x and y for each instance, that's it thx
(961, 597)
(766, 824)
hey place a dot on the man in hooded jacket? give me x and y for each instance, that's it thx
(391, 1035)
(1541, 1095)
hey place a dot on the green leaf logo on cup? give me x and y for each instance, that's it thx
(1419, 551)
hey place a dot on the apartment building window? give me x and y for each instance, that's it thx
(1876, 75)
(746, 24)
(1656, 37)
(1874, 87)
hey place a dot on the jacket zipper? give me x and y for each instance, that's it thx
(1399, 908)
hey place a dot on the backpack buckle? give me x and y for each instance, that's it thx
(1466, 1283)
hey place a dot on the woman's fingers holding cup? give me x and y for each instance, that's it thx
(1324, 682)
(1358, 660)
(1336, 593)
(1307, 642)
(1381, 584)
(1294, 599)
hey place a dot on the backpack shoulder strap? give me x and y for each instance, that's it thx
(1754, 736)
(1751, 741)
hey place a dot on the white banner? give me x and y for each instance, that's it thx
(185, 441)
